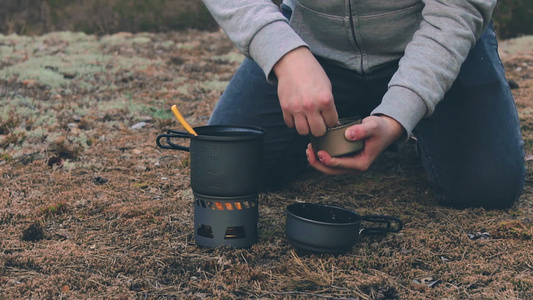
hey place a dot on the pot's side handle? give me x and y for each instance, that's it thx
(392, 224)
(172, 134)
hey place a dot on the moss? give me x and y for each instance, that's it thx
(141, 40)
(5, 157)
(159, 113)
(8, 123)
(55, 209)
(215, 85)
(15, 138)
(232, 57)
(50, 71)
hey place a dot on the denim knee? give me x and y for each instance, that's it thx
(497, 189)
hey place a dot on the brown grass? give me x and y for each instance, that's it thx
(91, 208)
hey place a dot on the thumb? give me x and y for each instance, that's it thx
(355, 132)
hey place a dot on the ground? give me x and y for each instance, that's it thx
(91, 208)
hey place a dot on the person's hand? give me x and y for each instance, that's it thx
(378, 133)
(304, 92)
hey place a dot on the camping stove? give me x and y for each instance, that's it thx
(228, 221)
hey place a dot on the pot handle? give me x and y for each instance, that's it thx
(393, 224)
(172, 134)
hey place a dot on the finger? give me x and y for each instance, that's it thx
(310, 153)
(317, 125)
(289, 120)
(328, 170)
(330, 116)
(361, 131)
(358, 162)
(315, 163)
(300, 122)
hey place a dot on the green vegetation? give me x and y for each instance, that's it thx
(75, 60)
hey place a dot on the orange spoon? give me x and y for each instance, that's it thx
(182, 120)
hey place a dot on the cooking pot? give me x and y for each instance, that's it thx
(331, 229)
(225, 160)
(334, 142)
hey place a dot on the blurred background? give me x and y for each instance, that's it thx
(512, 18)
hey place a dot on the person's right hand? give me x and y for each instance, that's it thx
(304, 92)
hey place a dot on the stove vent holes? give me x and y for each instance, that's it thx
(226, 205)
(236, 232)
(205, 231)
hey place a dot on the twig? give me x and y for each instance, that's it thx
(530, 266)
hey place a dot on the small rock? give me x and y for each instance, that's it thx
(15, 282)
(434, 283)
(429, 281)
(76, 118)
(138, 125)
(479, 236)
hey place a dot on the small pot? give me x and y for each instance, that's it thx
(331, 229)
(334, 142)
(225, 160)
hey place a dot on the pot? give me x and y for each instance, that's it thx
(225, 160)
(334, 142)
(331, 229)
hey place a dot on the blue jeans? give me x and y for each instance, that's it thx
(471, 147)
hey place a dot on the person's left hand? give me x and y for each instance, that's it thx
(378, 133)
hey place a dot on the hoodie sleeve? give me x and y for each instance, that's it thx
(433, 58)
(257, 28)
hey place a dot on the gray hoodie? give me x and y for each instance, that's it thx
(430, 37)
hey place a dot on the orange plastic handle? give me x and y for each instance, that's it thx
(182, 120)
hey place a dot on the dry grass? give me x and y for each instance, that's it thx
(90, 208)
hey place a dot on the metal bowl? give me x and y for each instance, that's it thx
(326, 228)
(334, 142)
